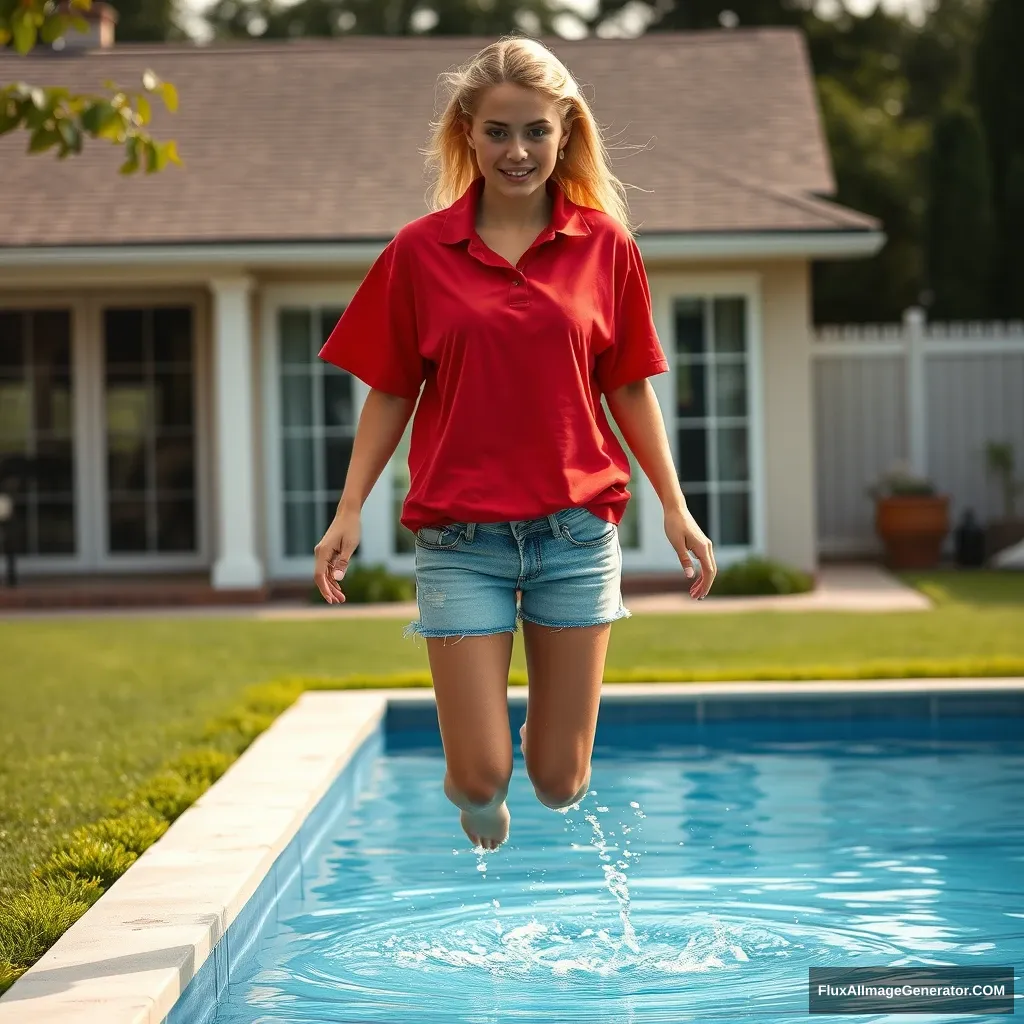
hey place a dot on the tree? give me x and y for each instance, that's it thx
(148, 21)
(1014, 212)
(272, 19)
(999, 90)
(55, 117)
(960, 236)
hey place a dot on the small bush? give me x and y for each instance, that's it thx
(89, 859)
(203, 766)
(32, 920)
(168, 794)
(759, 576)
(373, 584)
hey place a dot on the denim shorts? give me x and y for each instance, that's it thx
(566, 568)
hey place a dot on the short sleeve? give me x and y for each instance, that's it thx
(375, 339)
(635, 352)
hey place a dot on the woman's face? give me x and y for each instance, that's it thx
(516, 133)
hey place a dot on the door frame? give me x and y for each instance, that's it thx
(89, 437)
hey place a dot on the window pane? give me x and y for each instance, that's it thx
(54, 473)
(51, 339)
(732, 453)
(690, 388)
(127, 406)
(126, 525)
(126, 464)
(297, 454)
(173, 398)
(52, 401)
(14, 412)
(693, 455)
(734, 513)
(690, 333)
(172, 335)
(697, 503)
(328, 319)
(300, 534)
(56, 527)
(731, 389)
(296, 400)
(730, 325)
(338, 454)
(296, 331)
(176, 524)
(124, 330)
(12, 343)
(175, 464)
(339, 402)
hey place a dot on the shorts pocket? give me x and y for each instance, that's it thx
(587, 530)
(439, 538)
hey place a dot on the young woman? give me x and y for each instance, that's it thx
(514, 306)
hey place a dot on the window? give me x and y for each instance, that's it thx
(318, 426)
(712, 410)
(36, 416)
(149, 411)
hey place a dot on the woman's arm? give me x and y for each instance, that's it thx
(381, 425)
(638, 415)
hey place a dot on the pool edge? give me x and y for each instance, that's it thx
(131, 956)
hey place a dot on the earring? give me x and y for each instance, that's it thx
(561, 154)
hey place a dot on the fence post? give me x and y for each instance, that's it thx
(917, 402)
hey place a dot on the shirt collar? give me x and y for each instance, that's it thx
(460, 221)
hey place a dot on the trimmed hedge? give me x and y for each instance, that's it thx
(756, 577)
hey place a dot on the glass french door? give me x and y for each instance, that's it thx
(148, 359)
(712, 414)
(37, 466)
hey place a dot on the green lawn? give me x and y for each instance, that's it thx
(91, 707)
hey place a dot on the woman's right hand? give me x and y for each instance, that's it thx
(333, 554)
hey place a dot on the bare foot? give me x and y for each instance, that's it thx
(489, 828)
(486, 826)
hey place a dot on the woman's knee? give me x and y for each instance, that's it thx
(560, 786)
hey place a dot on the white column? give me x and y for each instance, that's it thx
(238, 564)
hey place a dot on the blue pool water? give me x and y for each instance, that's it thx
(700, 878)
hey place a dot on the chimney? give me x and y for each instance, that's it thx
(101, 18)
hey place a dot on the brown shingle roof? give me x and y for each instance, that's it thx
(320, 140)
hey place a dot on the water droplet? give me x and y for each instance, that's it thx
(633, 804)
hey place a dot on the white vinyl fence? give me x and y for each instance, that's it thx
(928, 395)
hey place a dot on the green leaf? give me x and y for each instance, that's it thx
(143, 109)
(71, 137)
(131, 165)
(170, 95)
(171, 149)
(79, 24)
(53, 28)
(5, 36)
(97, 116)
(23, 29)
(42, 139)
(82, 5)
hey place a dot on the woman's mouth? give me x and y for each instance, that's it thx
(517, 175)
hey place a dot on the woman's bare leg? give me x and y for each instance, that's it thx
(470, 676)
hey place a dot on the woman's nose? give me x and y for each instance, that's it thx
(516, 150)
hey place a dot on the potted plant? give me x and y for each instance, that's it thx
(910, 518)
(1004, 532)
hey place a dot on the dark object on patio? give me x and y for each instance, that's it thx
(15, 473)
(1006, 530)
(970, 541)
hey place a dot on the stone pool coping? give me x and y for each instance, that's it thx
(129, 958)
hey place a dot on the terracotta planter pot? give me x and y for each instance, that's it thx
(912, 529)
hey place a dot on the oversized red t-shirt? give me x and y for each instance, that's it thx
(512, 361)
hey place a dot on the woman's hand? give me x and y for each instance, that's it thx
(333, 554)
(685, 536)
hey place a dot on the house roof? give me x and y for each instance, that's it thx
(320, 140)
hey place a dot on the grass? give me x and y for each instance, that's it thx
(134, 717)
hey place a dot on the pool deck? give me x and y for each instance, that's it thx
(128, 959)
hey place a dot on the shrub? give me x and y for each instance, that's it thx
(372, 584)
(758, 576)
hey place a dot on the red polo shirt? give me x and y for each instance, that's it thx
(512, 361)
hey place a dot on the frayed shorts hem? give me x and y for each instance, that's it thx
(416, 627)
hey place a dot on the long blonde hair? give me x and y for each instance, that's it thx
(584, 175)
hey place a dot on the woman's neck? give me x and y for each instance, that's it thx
(498, 212)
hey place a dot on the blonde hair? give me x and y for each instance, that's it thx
(584, 175)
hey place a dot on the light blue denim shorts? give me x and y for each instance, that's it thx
(567, 568)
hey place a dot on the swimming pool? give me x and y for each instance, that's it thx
(725, 847)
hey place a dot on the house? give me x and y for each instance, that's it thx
(158, 333)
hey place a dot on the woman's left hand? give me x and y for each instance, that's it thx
(685, 536)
